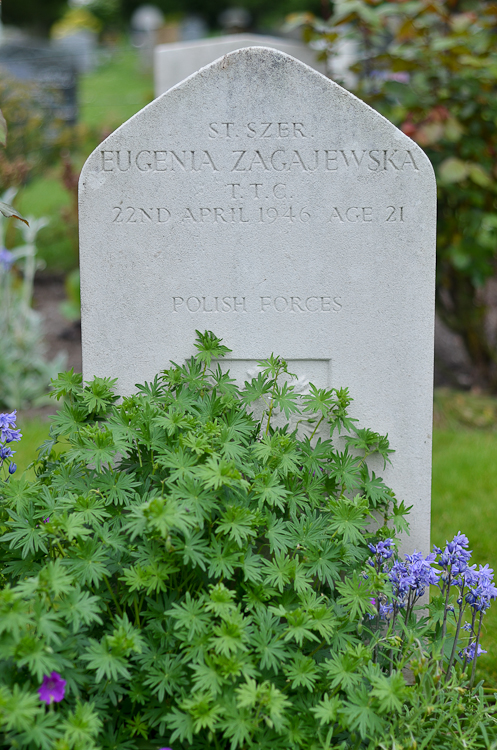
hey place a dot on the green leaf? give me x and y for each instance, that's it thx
(166, 676)
(326, 711)
(342, 670)
(390, 692)
(191, 616)
(238, 523)
(349, 520)
(11, 212)
(98, 395)
(203, 711)
(209, 347)
(359, 714)
(302, 670)
(346, 470)
(80, 608)
(67, 384)
(286, 400)
(268, 698)
(105, 663)
(19, 708)
(355, 595)
(82, 725)
(452, 170)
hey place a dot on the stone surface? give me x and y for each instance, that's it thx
(261, 201)
(175, 62)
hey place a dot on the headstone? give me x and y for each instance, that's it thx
(192, 28)
(80, 47)
(261, 201)
(175, 62)
(235, 20)
(146, 23)
(53, 75)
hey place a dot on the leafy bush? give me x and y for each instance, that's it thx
(184, 572)
(432, 70)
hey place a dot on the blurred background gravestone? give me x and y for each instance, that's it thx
(175, 62)
(146, 22)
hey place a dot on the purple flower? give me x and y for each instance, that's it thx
(10, 436)
(12, 468)
(483, 590)
(52, 689)
(5, 452)
(6, 258)
(46, 520)
(455, 555)
(469, 652)
(415, 574)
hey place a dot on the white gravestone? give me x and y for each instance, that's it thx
(175, 62)
(261, 201)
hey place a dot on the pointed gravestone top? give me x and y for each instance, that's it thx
(260, 200)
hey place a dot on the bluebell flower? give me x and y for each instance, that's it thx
(10, 436)
(6, 452)
(8, 420)
(12, 468)
(469, 652)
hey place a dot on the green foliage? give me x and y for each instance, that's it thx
(200, 578)
(431, 68)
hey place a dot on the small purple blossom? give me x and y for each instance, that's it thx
(6, 258)
(52, 689)
(483, 590)
(8, 420)
(10, 436)
(415, 574)
(5, 452)
(384, 549)
(12, 468)
(469, 652)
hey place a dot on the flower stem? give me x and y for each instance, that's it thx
(475, 656)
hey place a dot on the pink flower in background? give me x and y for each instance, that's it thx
(52, 689)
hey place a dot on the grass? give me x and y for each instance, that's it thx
(115, 91)
(464, 498)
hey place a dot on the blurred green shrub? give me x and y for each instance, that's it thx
(432, 70)
(24, 371)
(35, 137)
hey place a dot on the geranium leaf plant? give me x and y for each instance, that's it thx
(191, 570)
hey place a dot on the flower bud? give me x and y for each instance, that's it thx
(12, 468)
